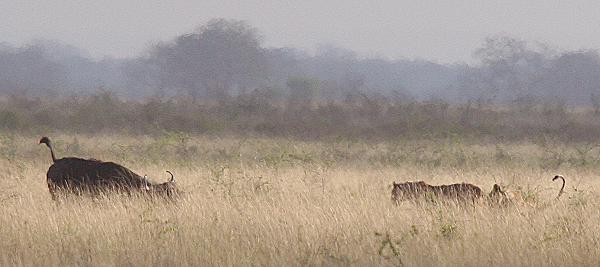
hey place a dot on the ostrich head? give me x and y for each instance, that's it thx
(45, 140)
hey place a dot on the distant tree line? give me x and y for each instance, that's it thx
(255, 113)
(512, 71)
(226, 58)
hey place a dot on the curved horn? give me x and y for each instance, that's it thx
(563, 184)
(172, 177)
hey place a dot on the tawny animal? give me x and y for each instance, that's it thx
(420, 189)
(76, 175)
(500, 196)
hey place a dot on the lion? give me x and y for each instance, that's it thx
(420, 189)
(507, 196)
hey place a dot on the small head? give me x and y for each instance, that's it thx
(396, 192)
(497, 192)
(499, 196)
(168, 189)
(45, 140)
(558, 176)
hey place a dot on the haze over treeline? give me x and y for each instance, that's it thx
(226, 58)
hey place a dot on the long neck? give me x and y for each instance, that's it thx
(51, 152)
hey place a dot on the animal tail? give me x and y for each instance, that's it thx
(563, 184)
(172, 177)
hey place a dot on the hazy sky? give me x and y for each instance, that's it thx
(441, 30)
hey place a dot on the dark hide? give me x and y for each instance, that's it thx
(76, 175)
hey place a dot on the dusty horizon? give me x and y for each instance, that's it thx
(439, 32)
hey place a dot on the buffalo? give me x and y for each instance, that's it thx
(91, 176)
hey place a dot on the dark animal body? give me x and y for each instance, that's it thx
(76, 175)
(416, 190)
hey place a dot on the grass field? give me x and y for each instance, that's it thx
(283, 202)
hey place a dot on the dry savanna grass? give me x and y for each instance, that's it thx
(281, 202)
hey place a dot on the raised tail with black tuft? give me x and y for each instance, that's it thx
(563, 185)
(172, 177)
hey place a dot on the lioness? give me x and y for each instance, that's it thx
(420, 189)
(506, 196)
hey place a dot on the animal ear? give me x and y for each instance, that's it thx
(395, 184)
(146, 186)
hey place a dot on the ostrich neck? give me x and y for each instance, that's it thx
(52, 152)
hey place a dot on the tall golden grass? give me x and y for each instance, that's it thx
(282, 202)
